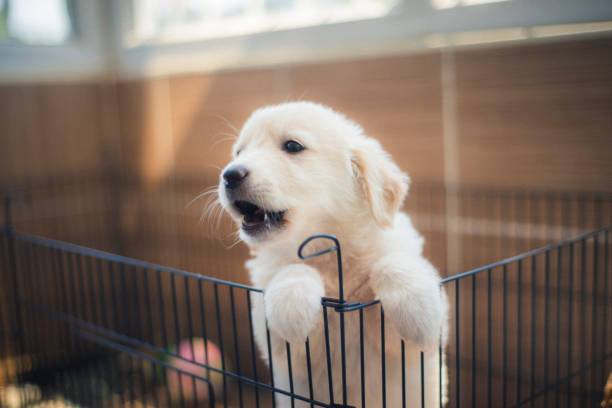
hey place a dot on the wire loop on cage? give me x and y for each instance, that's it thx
(339, 304)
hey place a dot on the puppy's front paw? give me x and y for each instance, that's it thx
(293, 302)
(416, 318)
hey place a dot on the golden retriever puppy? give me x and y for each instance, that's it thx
(300, 169)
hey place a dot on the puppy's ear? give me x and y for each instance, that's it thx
(383, 183)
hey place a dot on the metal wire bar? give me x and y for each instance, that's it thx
(383, 358)
(330, 381)
(109, 257)
(404, 375)
(457, 348)
(221, 342)
(270, 363)
(290, 373)
(254, 359)
(236, 350)
(309, 370)
(525, 255)
(70, 303)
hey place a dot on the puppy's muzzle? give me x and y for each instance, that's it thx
(234, 176)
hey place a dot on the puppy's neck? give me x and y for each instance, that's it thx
(355, 241)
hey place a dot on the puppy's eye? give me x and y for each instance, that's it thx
(292, 146)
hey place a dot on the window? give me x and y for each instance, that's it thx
(444, 4)
(52, 39)
(35, 22)
(162, 21)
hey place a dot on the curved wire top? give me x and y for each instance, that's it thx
(336, 248)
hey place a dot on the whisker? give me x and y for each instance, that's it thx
(207, 191)
(227, 134)
(225, 139)
(236, 242)
(228, 123)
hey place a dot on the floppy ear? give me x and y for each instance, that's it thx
(383, 183)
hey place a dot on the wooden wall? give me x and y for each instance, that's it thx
(517, 116)
(525, 115)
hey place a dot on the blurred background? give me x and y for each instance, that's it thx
(115, 115)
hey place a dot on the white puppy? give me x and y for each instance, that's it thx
(301, 169)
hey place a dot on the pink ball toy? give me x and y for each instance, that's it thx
(198, 351)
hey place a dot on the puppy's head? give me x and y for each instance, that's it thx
(300, 168)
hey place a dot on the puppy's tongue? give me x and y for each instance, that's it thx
(255, 218)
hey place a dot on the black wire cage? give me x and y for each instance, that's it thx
(83, 327)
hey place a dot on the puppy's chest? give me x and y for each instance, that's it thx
(355, 279)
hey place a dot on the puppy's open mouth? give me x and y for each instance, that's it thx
(256, 219)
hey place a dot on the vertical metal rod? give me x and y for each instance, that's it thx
(84, 265)
(558, 329)
(457, 346)
(220, 333)
(140, 332)
(343, 358)
(164, 331)
(126, 318)
(595, 315)
(27, 276)
(162, 309)
(75, 312)
(4, 324)
(403, 375)
(533, 325)
(546, 324)
(204, 334)
(12, 258)
(190, 335)
(309, 369)
(519, 334)
(150, 336)
(570, 321)
(270, 361)
(113, 292)
(440, 359)
(362, 357)
(489, 342)
(340, 278)
(60, 306)
(44, 271)
(582, 316)
(253, 355)
(440, 372)
(505, 334)
(116, 326)
(473, 341)
(604, 343)
(236, 350)
(101, 295)
(383, 357)
(290, 372)
(422, 380)
(61, 281)
(328, 357)
(151, 333)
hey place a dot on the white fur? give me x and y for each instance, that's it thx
(346, 185)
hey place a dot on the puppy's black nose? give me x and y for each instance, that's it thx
(234, 176)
